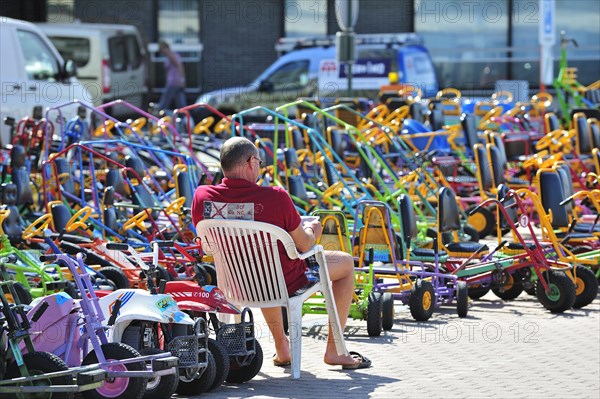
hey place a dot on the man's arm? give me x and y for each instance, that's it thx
(306, 235)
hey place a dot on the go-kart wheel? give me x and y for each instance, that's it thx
(530, 291)
(201, 384)
(78, 219)
(122, 388)
(23, 295)
(374, 314)
(40, 363)
(471, 232)
(462, 299)
(37, 227)
(239, 374)
(115, 276)
(222, 363)
(483, 221)
(162, 386)
(211, 272)
(387, 311)
(422, 300)
(71, 290)
(511, 290)
(163, 274)
(562, 291)
(477, 291)
(586, 286)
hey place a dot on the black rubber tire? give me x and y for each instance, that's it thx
(201, 384)
(162, 274)
(212, 273)
(116, 275)
(471, 232)
(511, 290)
(374, 314)
(586, 285)
(462, 299)
(221, 362)
(422, 300)
(488, 218)
(162, 386)
(23, 295)
(387, 311)
(239, 375)
(41, 363)
(476, 292)
(136, 386)
(562, 286)
(72, 290)
(530, 291)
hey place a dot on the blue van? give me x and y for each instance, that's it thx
(308, 68)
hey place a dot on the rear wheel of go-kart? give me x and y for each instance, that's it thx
(510, 290)
(562, 291)
(221, 362)
(462, 299)
(586, 287)
(212, 273)
(162, 274)
(374, 314)
(387, 311)
(163, 386)
(239, 374)
(477, 291)
(115, 276)
(71, 290)
(41, 363)
(422, 300)
(531, 290)
(471, 233)
(23, 295)
(483, 221)
(122, 388)
(203, 383)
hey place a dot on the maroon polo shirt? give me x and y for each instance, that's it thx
(241, 199)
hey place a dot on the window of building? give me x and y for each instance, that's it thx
(467, 40)
(305, 18)
(60, 11)
(179, 21)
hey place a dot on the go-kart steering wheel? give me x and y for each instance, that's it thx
(449, 94)
(542, 99)
(487, 118)
(175, 206)
(78, 219)
(376, 114)
(535, 160)
(502, 97)
(37, 227)
(104, 129)
(137, 221)
(335, 189)
(138, 124)
(203, 125)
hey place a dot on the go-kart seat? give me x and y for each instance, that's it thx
(409, 232)
(416, 112)
(60, 216)
(109, 214)
(483, 168)
(141, 196)
(64, 169)
(469, 128)
(296, 187)
(552, 122)
(583, 138)
(552, 194)
(114, 178)
(449, 222)
(498, 166)
(436, 118)
(594, 133)
(12, 224)
(184, 187)
(20, 176)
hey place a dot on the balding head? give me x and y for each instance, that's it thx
(235, 152)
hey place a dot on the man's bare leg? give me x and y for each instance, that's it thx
(274, 320)
(341, 273)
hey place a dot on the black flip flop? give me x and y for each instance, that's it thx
(280, 364)
(364, 363)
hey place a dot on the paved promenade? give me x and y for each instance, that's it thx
(502, 349)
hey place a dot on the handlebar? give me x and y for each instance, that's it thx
(117, 246)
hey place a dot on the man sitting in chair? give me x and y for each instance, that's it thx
(239, 197)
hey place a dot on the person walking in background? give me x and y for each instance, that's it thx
(175, 82)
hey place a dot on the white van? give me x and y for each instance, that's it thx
(309, 68)
(110, 58)
(33, 74)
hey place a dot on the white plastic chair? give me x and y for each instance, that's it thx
(249, 273)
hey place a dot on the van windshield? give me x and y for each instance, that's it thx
(73, 48)
(40, 63)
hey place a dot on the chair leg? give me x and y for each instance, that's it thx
(334, 319)
(295, 335)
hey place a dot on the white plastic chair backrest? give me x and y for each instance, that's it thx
(247, 260)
